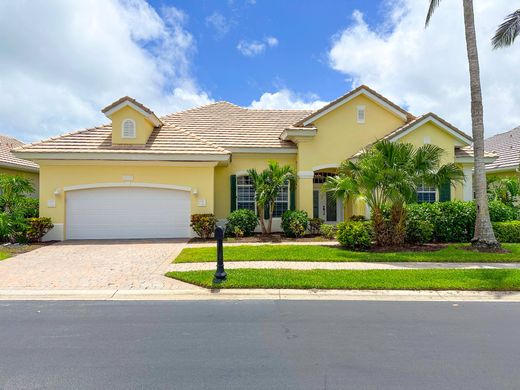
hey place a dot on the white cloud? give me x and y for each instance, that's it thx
(287, 99)
(63, 61)
(219, 23)
(254, 48)
(426, 69)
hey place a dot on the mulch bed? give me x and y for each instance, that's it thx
(268, 238)
(409, 248)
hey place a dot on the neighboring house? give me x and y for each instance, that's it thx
(507, 146)
(143, 176)
(12, 165)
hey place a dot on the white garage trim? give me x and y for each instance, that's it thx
(126, 184)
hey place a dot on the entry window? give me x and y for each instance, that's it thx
(128, 130)
(245, 193)
(281, 204)
(426, 194)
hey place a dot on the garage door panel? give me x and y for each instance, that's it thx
(127, 213)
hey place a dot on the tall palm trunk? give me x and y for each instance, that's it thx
(484, 235)
(260, 210)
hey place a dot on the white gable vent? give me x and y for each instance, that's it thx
(128, 130)
(360, 114)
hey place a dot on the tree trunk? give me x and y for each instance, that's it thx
(271, 211)
(484, 235)
(398, 220)
(260, 209)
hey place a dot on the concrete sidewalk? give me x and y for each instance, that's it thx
(309, 265)
(259, 294)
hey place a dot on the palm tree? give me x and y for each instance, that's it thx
(505, 189)
(484, 235)
(267, 185)
(386, 176)
(508, 31)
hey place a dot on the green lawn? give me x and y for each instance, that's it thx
(4, 254)
(429, 279)
(452, 253)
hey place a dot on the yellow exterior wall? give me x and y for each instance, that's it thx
(442, 139)
(58, 174)
(239, 164)
(143, 127)
(32, 176)
(503, 174)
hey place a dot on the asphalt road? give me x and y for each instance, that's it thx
(259, 345)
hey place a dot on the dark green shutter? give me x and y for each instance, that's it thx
(445, 192)
(292, 196)
(233, 186)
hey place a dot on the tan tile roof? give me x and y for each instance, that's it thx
(507, 146)
(231, 126)
(9, 160)
(327, 106)
(129, 99)
(467, 151)
(167, 139)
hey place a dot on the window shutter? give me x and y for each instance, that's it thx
(233, 186)
(292, 196)
(445, 192)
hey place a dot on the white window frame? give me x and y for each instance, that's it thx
(243, 185)
(123, 135)
(361, 110)
(255, 209)
(426, 190)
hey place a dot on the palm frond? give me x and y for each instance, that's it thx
(431, 9)
(507, 31)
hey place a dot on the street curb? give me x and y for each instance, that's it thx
(259, 294)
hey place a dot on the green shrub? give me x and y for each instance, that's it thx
(419, 231)
(243, 219)
(203, 224)
(355, 235)
(357, 218)
(328, 231)
(37, 228)
(294, 223)
(507, 231)
(452, 221)
(13, 227)
(315, 225)
(500, 212)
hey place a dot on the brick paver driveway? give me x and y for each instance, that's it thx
(94, 264)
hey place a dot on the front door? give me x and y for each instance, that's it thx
(325, 206)
(331, 207)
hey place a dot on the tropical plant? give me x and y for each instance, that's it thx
(315, 225)
(507, 31)
(243, 219)
(294, 223)
(355, 235)
(505, 189)
(37, 228)
(267, 185)
(13, 189)
(484, 235)
(386, 176)
(203, 224)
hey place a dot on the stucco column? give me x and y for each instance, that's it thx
(467, 187)
(304, 191)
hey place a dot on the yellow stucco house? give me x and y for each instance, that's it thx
(12, 165)
(143, 176)
(507, 147)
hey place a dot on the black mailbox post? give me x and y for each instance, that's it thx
(220, 275)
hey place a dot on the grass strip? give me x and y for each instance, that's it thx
(452, 253)
(429, 279)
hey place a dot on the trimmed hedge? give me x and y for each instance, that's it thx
(328, 231)
(507, 231)
(355, 235)
(501, 212)
(294, 223)
(242, 220)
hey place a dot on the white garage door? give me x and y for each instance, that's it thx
(127, 212)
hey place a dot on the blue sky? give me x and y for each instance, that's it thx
(299, 62)
(62, 61)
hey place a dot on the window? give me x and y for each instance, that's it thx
(128, 129)
(321, 177)
(360, 114)
(281, 203)
(245, 193)
(246, 197)
(426, 194)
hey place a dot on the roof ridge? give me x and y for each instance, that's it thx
(199, 108)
